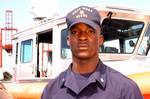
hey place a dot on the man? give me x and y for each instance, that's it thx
(87, 77)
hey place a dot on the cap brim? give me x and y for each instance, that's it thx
(86, 21)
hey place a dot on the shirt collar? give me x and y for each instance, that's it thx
(70, 81)
(99, 75)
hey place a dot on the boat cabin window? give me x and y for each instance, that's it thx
(26, 51)
(120, 36)
(65, 49)
(145, 45)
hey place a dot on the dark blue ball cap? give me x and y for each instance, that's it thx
(84, 14)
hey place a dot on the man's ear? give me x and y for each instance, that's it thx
(101, 40)
(68, 41)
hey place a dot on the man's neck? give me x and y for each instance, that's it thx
(85, 65)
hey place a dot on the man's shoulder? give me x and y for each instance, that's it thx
(53, 85)
(58, 80)
(124, 84)
(114, 73)
(119, 78)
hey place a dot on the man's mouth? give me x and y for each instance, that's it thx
(83, 46)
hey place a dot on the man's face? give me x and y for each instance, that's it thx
(84, 41)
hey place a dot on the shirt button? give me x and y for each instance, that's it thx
(102, 80)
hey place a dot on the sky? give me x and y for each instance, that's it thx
(25, 10)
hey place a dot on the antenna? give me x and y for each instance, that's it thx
(8, 30)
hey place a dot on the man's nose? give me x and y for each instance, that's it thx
(83, 35)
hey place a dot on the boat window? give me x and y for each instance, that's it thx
(145, 45)
(26, 51)
(121, 36)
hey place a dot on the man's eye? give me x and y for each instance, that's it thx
(74, 32)
(90, 31)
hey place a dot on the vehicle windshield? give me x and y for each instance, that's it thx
(121, 37)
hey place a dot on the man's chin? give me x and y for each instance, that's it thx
(83, 56)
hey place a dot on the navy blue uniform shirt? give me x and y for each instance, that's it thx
(104, 83)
